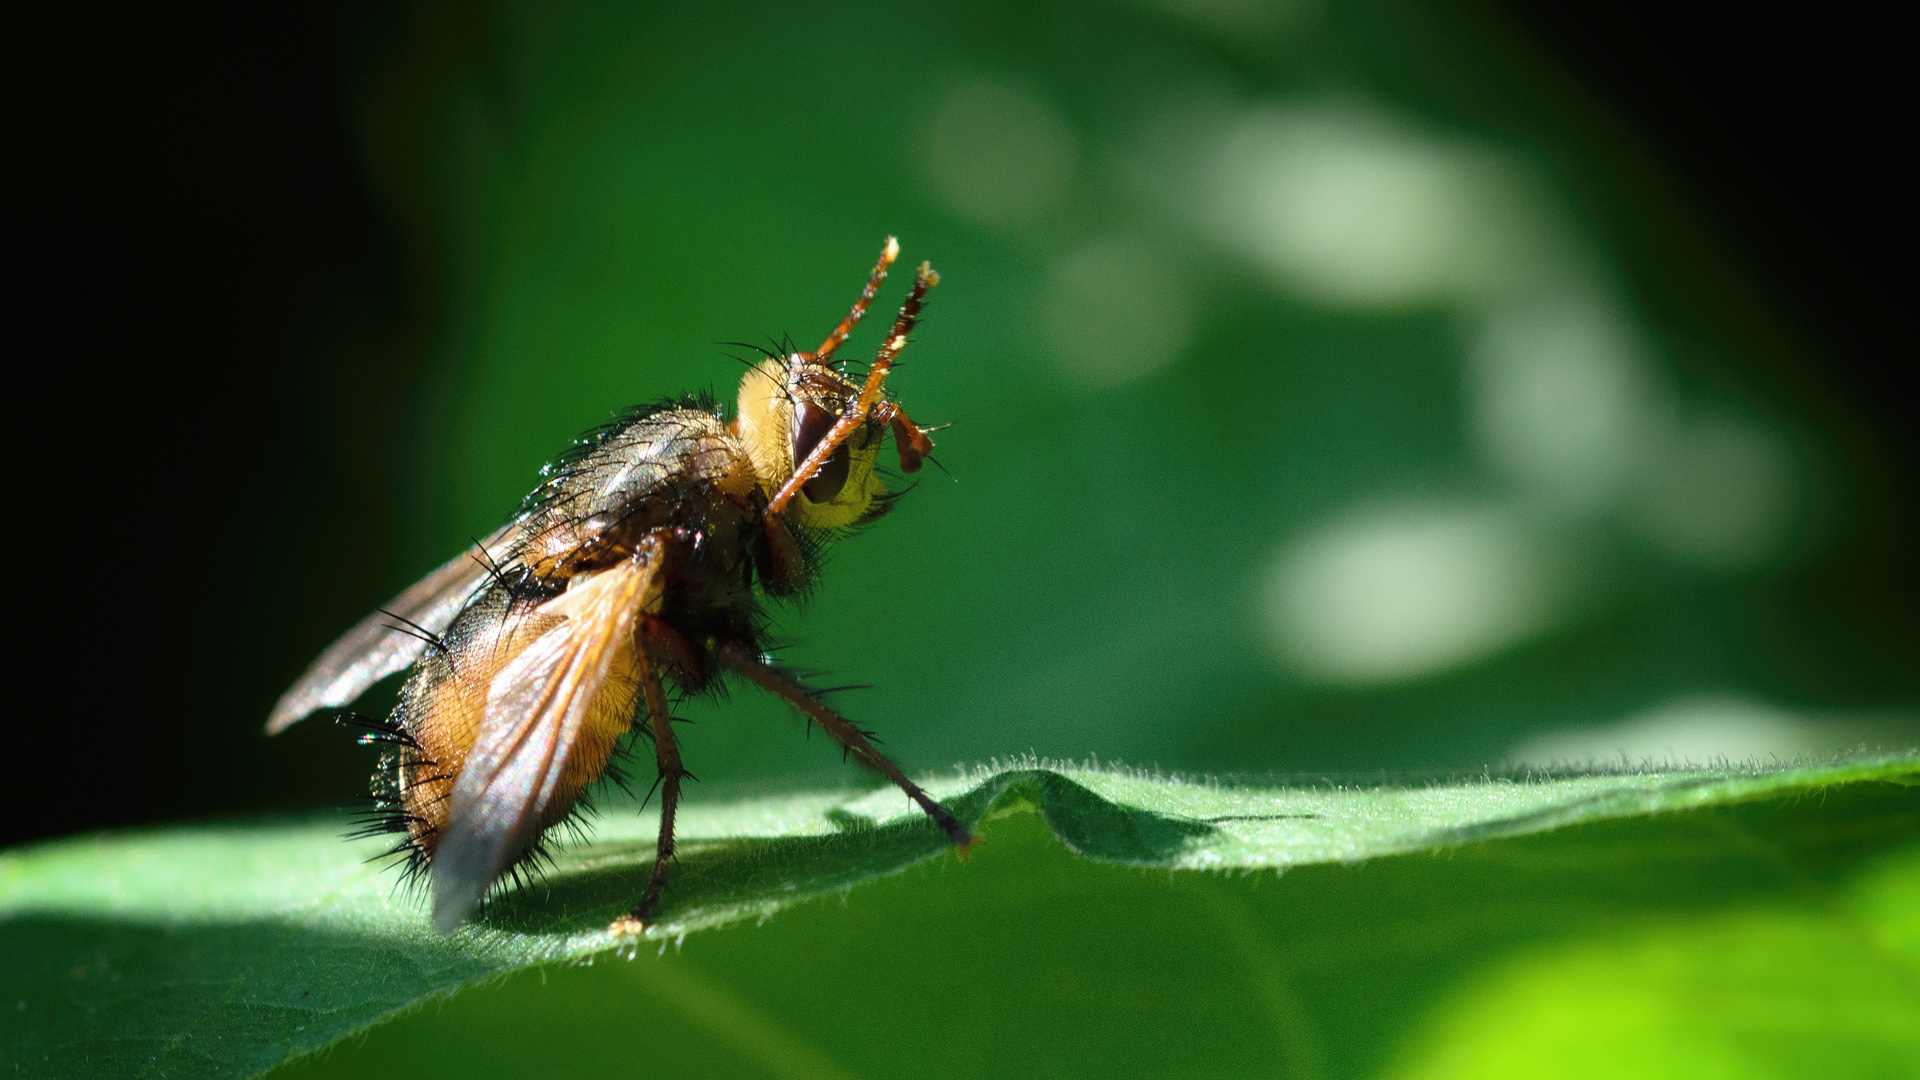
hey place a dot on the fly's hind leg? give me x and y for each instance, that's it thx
(667, 755)
(739, 660)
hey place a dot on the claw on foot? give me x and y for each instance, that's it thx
(627, 926)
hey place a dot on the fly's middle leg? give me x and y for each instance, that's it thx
(667, 756)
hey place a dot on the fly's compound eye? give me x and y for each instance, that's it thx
(826, 483)
(811, 424)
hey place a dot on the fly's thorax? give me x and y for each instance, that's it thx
(786, 407)
(664, 469)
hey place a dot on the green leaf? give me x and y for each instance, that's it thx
(223, 950)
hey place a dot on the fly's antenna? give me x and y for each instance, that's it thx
(923, 279)
(839, 336)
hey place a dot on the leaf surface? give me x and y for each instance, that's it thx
(226, 949)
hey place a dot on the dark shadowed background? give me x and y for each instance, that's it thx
(1334, 387)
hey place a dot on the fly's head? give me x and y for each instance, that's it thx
(814, 436)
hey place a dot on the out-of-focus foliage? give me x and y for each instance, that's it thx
(1326, 392)
(1739, 931)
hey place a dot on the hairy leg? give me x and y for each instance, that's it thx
(667, 755)
(739, 660)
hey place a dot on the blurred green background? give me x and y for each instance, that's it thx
(1334, 387)
(1322, 397)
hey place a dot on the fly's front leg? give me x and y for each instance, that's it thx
(667, 755)
(739, 660)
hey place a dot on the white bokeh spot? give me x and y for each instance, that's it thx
(1564, 398)
(1722, 496)
(997, 153)
(1116, 311)
(1397, 593)
(1347, 208)
(1696, 729)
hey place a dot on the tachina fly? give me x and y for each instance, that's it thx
(637, 567)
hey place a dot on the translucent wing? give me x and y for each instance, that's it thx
(552, 714)
(383, 643)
